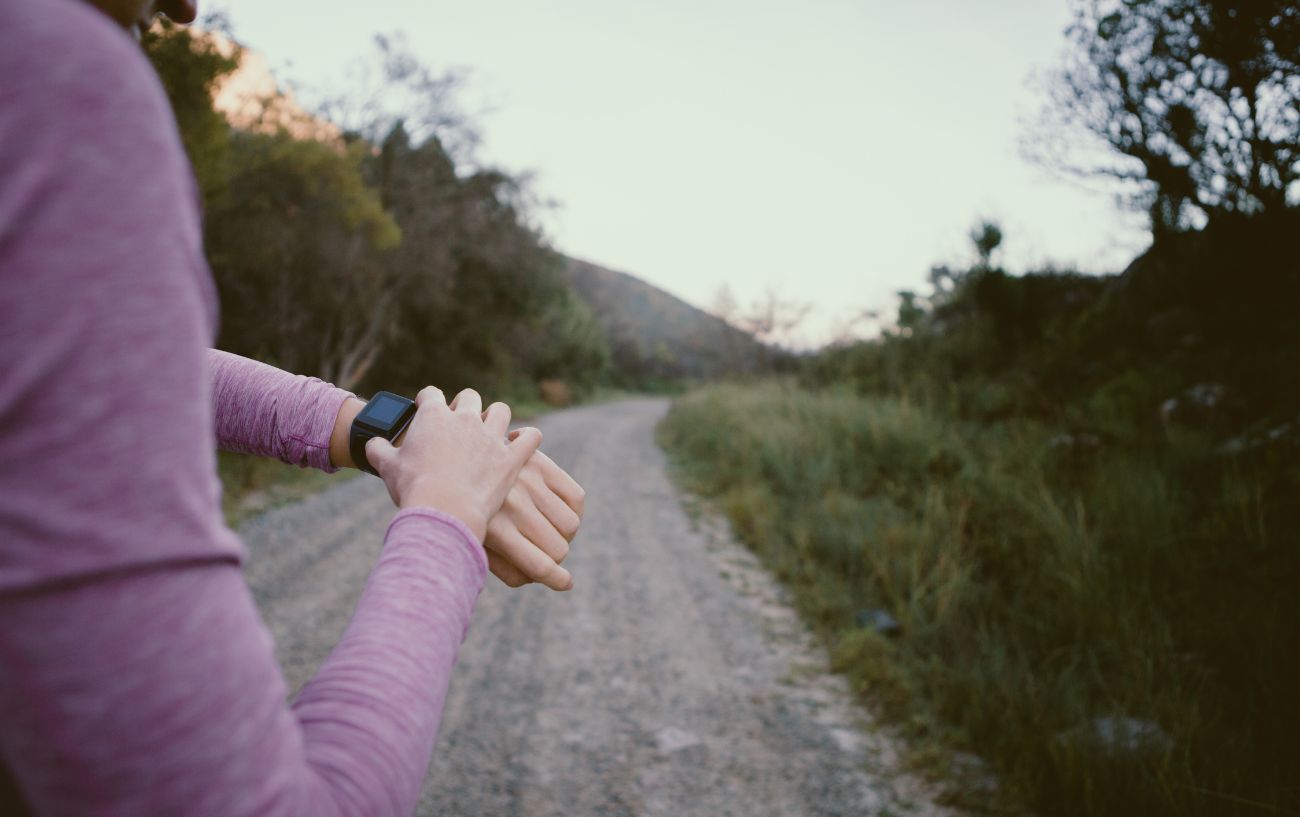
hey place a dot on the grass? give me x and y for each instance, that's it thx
(253, 485)
(1039, 588)
(526, 402)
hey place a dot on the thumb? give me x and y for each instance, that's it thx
(380, 452)
(523, 444)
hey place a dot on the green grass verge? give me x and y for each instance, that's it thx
(525, 402)
(1040, 588)
(254, 485)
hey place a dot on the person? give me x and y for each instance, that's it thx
(136, 676)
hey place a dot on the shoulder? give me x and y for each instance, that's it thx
(95, 188)
(61, 37)
(87, 136)
(70, 70)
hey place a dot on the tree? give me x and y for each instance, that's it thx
(725, 305)
(190, 66)
(987, 237)
(326, 252)
(773, 318)
(479, 292)
(395, 89)
(296, 247)
(1196, 104)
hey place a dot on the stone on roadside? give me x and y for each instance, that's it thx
(879, 620)
(671, 740)
(1199, 405)
(1118, 736)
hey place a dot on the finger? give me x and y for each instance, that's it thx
(509, 575)
(497, 418)
(380, 454)
(515, 548)
(552, 506)
(430, 394)
(536, 528)
(429, 402)
(559, 481)
(468, 401)
(523, 443)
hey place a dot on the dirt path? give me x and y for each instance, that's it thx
(671, 681)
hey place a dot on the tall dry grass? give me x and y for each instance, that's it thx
(1044, 592)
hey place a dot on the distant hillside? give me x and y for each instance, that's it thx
(657, 336)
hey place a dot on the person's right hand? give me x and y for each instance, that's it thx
(529, 537)
(454, 460)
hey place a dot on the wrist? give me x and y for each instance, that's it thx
(340, 451)
(467, 512)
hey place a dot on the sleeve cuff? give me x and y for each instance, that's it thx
(332, 404)
(439, 519)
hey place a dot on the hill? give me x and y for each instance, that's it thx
(656, 336)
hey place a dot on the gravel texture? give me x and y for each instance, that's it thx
(672, 680)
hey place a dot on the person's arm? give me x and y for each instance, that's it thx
(261, 410)
(135, 674)
(157, 692)
(304, 421)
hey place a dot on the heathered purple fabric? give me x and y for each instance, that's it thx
(136, 677)
(265, 411)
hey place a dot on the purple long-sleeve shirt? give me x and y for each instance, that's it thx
(136, 677)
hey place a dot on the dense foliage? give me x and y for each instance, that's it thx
(372, 265)
(1196, 104)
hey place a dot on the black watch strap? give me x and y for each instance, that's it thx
(357, 439)
(366, 426)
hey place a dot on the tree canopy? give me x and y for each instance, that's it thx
(377, 258)
(1196, 104)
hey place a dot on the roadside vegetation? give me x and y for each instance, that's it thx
(1110, 626)
(254, 485)
(363, 243)
(1048, 521)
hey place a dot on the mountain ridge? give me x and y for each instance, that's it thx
(654, 335)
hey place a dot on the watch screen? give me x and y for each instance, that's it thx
(383, 411)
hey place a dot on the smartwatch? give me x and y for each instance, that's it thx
(386, 415)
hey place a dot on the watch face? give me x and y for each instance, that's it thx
(383, 411)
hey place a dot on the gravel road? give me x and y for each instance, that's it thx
(672, 680)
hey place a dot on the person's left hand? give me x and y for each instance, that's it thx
(529, 537)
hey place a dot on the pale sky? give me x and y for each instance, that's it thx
(834, 149)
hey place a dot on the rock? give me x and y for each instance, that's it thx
(1198, 405)
(1118, 736)
(671, 740)
(1285, 433)
(555, 392)
(847, 740)
(879, 620)
(1284, 436)
(1205, 395)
